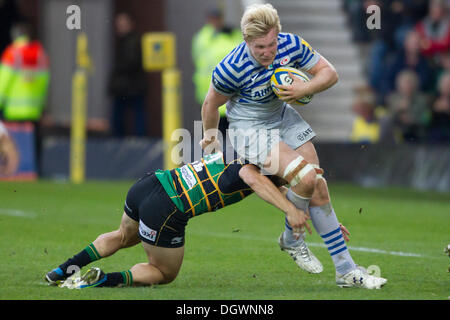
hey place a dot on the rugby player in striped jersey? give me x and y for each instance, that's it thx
(269, 133)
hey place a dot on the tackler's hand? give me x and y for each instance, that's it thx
(210, 145)
(345, 232)
(297, 219)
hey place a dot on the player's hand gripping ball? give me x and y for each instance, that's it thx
(281, 77)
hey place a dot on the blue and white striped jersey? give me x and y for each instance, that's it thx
(247, 82)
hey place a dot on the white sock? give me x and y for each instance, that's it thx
(301, 203)
(288, 236)
(327, 226)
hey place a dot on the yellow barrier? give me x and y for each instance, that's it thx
(158, 54)
(171, 113)
(78, 128)
(79, 111)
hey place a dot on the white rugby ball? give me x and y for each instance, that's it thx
(281, 77)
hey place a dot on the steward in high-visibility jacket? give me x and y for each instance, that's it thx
(209, 47)
(24, 78)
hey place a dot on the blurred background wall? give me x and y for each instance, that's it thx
(351, 116)
(184, 18)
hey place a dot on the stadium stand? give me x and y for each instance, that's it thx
(323, 24)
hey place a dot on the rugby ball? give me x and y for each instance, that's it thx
(281, 77)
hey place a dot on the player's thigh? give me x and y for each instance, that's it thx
(280, 156)
(298, 134)
(129, 231)
(308, 151)
(167, 260)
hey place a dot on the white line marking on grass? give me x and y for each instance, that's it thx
(363, 249)
(313, 244)
(17, 213)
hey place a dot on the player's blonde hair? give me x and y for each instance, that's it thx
(258, 20)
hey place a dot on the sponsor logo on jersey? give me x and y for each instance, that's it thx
(188, 176)
(302, 136)
(198, 166)
(176, 240)
(147, 232)
(285, 61)
(261, 91)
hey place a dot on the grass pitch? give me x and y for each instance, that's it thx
(230, 254)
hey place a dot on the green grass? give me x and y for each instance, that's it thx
(230, 254)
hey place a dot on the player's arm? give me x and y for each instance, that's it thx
(270, 193)
(325, 76)
(283, 190)
(8, 155)
(211, 117)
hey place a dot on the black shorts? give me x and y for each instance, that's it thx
(161, 223)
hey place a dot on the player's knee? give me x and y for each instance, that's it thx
(309, 181)
(299, 171)
(168, 279)
(167, 276)
(321, 194)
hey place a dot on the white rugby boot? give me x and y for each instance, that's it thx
(359, 278)
(302, 256)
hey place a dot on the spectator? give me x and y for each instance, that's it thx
(408, 111)
(24, 78)
(366, 128)
(415, 10)
(209, 46)
(434, 29)
(409, 57)
(440, 113)
(383, 44)
(443, 66)
(412, 11)
(127, 83)
(9, 157)
(357, 20)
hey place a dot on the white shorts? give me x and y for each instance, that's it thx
(253, 140)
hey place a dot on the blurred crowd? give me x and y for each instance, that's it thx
(407, 96)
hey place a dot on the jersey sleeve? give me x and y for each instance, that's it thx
(306, 56)
(223, 80)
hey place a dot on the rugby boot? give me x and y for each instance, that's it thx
(302, 256)
(55, 277)
(359, 278)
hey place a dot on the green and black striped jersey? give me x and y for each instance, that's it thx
(205, 185)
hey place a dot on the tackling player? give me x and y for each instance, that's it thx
(156, 212)
(269, 133)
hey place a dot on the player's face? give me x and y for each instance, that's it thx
(264, 49)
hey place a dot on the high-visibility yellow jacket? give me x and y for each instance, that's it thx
(24, 78)
(209, 47)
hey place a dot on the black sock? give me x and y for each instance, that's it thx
(78, 261)
(114, 279)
